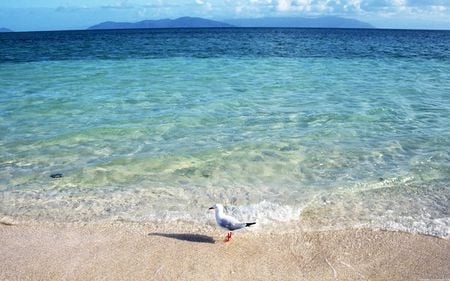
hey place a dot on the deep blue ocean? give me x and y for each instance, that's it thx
(333, 128)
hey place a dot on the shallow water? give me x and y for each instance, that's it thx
(347, 128)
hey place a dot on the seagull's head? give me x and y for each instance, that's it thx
(218, 207)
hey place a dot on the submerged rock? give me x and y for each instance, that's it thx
(56, 175)
(288, 148)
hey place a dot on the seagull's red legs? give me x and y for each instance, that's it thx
(228, 237)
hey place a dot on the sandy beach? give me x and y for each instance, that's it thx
(125, 251)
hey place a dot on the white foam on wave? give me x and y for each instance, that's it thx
(407, 206)
(433, 227)
(263, 213)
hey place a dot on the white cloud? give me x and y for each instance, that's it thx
(238, 9)
(439, 8)
(348, 7)
(260, 8)
(71, 9)
(284, 5)
(399, 3)
(298, 5)
(118, 5)
(207, 6)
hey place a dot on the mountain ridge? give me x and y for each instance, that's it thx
(196, 22)
(183, 22)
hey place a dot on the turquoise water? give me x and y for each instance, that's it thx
(334, 141)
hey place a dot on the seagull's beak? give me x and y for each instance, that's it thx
(211, 208)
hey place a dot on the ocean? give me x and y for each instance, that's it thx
(331, 128)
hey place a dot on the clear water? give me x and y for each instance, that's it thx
(335, 128)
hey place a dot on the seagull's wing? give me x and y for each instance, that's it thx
(230, 223)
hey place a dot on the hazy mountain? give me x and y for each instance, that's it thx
(2, 29)
(184, 22)
(191, 22)
(325, 22)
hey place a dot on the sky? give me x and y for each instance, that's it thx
(30, 15)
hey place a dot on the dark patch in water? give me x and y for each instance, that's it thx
(288, 148)
(206, 173)
(56, 175)
(187, 172)
(240, 90)
(258, 158)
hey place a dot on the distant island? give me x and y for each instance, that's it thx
(194, 22)
(183, 22)
(2, 29)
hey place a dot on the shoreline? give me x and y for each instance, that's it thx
(136, 251)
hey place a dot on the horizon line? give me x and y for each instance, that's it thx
(226, 21)
(229, 27)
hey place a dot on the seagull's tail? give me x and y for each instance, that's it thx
(249, 224)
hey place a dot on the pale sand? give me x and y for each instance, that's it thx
(138, 252)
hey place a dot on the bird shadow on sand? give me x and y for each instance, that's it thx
(189, 237)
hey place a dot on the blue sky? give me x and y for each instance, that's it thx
(22, 15)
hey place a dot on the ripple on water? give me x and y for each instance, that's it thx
(348, 141)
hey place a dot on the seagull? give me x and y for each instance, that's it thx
(228, 222)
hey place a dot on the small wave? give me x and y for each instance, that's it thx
(263, 213)
(408, 206)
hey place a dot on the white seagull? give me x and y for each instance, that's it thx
(228, 222)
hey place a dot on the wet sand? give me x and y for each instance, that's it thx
(123, 251)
